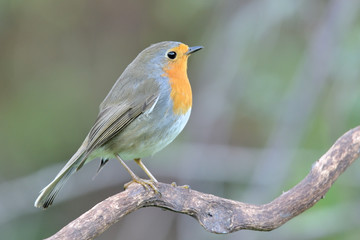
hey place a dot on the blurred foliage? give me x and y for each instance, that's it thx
(277, 83)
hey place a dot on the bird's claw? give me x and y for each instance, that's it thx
(147, 184)
(184, 186)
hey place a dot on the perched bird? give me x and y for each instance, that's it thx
(148, 106)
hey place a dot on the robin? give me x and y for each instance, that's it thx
(148, 106)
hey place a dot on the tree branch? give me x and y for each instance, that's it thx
(219, 215)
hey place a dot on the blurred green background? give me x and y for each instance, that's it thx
(277, 83)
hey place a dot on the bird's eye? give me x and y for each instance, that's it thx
(171, 55)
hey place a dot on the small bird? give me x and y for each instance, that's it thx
(145, 110)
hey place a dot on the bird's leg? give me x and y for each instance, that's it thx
(132, 174)
(143, 167)
(152, 180)
(145, 183)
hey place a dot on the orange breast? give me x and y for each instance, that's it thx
(180, 85)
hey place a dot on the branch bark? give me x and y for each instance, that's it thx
(216, 214)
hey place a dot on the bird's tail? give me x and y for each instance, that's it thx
(48, 194)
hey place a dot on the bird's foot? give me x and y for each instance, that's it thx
(147, 184)
(184, 186)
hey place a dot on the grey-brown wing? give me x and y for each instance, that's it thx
(113, 120)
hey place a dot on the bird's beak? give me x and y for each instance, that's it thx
(193, 49)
